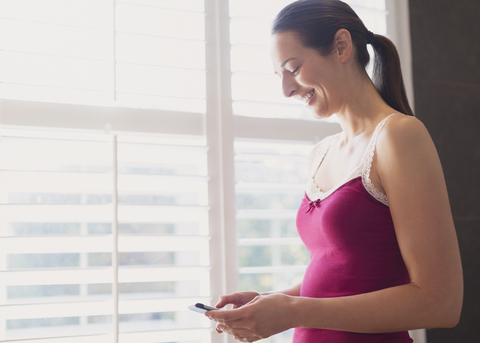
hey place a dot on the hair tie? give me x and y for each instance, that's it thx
(370, 37)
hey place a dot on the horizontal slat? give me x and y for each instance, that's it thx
(55, 154)
(197, 335)
(161, 183)
(76, 339)
(161, 154)
(66, 182)
(183, 5)
(143, 79)
(96, 308)
(265, 10)
(266, 214)
(163, 274)
(272, 270)
(260, 109)
(19, 92)
(101, 275)
(55, 310)
(283, 129)
(136, 214)
(55, 71)
(241, 156)
(159, 22)
(142, 49)
(100, 213)
(274, 147)
(250, 31)
(91, 244)
(55, 182)
(31, 113)
(269, 241)
(157, 102)
(80, 13)
(42, 38)
(202, 335)
(163, 243)
(262, 88)
(52, 245)
(55, 213)
(158, 305)
(262, 187)
(56, 277)
(250, 58)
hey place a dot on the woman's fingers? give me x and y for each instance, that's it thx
(237, 299)
(226, 316)
(225, 300)
(240, 334)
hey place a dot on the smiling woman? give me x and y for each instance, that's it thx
(375, 217)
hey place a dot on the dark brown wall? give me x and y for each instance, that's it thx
(446, 72)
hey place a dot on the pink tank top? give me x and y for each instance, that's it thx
(353, 248)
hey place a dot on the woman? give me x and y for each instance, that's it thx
(375, 217)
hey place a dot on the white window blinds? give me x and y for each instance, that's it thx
(104, 229)
(104, 52)
(68, 201)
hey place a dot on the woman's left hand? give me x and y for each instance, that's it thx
(264, 316)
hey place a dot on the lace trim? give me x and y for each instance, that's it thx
(315, 194)
(367, 165)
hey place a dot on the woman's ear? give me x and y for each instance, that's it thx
(343, 45)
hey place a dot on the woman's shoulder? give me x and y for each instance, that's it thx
(402, 130)
(404, 137)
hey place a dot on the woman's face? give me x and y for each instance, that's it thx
(306, 75)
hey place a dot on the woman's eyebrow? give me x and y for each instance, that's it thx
(286, 61)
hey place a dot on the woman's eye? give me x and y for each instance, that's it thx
(295, 72)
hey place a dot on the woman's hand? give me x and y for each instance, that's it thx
(260, 318)
(237, 299)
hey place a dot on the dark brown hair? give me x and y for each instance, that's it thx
(317, 21)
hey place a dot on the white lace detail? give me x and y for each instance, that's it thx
(314, 193)
(367, 165)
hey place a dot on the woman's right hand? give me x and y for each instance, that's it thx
(237, 299)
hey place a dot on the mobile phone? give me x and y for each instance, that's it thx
(201, 308)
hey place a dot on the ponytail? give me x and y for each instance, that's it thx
(387, 74)
(317, 21)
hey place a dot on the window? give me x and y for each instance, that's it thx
(145, 165)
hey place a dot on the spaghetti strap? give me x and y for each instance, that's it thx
(366, 164)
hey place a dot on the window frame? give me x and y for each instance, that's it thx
(218, 125)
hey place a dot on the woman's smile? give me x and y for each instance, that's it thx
(307, 97)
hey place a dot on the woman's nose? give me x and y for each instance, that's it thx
(289, 86)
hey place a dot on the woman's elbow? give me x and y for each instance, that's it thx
(452, 318)
(450, 310)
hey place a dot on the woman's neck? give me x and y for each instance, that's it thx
(364, 110)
